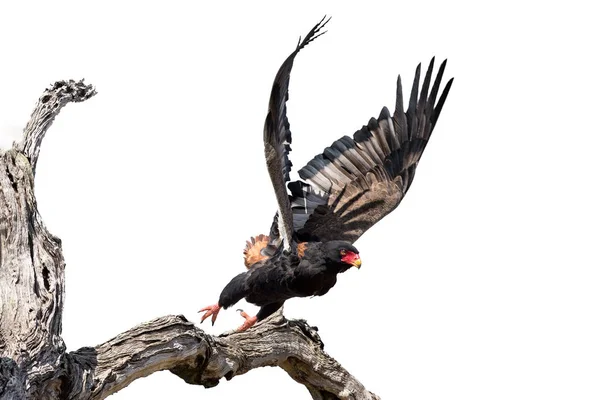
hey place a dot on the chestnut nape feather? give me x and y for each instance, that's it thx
(253, 251)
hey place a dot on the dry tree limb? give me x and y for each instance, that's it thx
(172, 343)
(47, 108)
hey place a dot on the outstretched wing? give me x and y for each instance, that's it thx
(277, 138)
(357, 181)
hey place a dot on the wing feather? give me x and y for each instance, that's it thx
(278, 137)
(357, 181)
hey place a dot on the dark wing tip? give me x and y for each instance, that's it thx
(444, 93)
(425, 86)
(418, 70)
(441, 101)
(384, 114)
(434, 89)
(314, 33)
(399, 108)
(412, 103)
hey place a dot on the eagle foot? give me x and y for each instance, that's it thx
(250, 321)
(210, 310)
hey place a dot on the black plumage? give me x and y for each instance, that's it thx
(277, 279)
(344, 191)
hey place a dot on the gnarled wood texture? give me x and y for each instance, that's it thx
(34, 363)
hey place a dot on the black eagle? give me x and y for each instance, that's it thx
(344, 191)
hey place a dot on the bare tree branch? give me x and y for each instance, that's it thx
(46, 109)
(172, 343)
(34, 363)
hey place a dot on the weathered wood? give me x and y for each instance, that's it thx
(47, 108)
(31, 261)
(34, 363)
(175, 344)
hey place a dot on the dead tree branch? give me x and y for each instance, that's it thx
(47, 108)
(34, 363)
(172, 343)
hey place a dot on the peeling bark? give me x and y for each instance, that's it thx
(34, 363)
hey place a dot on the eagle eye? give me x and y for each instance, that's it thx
(343, 252)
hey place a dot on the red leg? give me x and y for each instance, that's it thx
(211, 310)
(250, 321)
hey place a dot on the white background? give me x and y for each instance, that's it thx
(484, 284)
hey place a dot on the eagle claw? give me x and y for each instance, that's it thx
(210, 310)
(250, 321)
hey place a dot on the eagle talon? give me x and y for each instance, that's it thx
(210, 310)
(250, 321)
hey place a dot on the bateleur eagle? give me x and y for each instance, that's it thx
(344, 191)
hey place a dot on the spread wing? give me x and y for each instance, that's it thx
(277, 139)
(357, 181)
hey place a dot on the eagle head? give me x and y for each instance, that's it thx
(342, 255)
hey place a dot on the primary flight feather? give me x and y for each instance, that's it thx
(344, 191)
